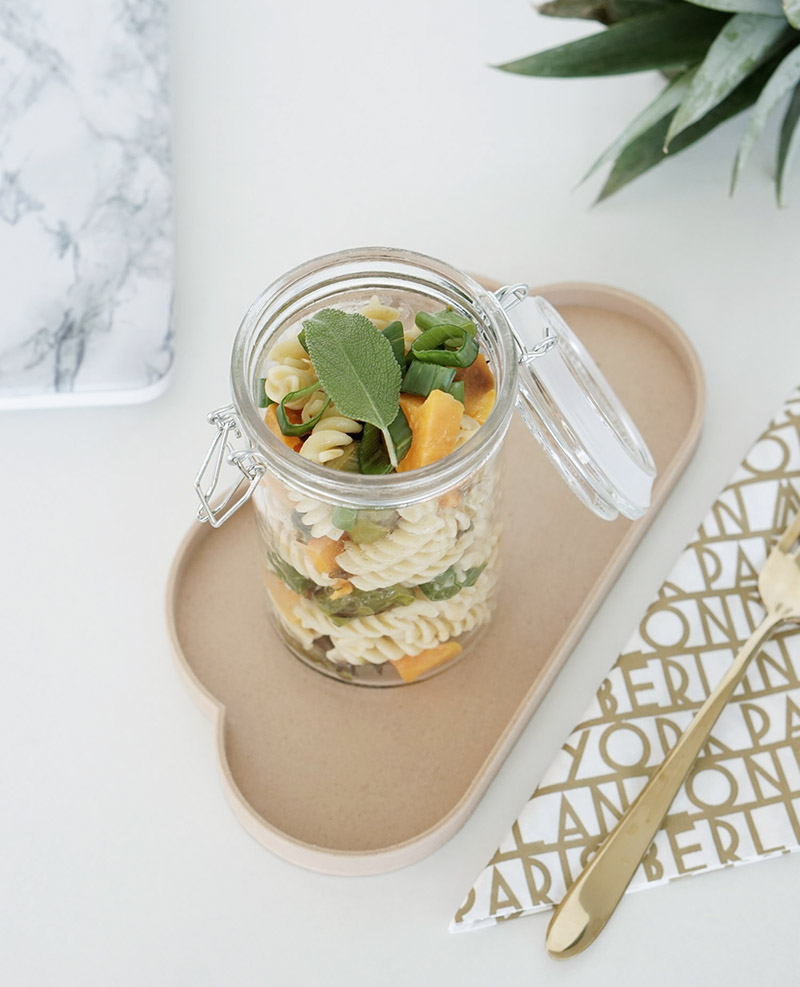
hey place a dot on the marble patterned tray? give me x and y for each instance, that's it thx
(349, 780)
(85, 202)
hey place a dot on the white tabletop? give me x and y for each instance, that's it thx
(301, 129)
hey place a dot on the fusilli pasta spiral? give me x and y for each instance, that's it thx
(329, 437)
(404, 630)
(282, 380)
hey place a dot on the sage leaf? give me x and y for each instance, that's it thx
(355, 365)
(667, 100)
(785, 76)
(788, 141)
(672, 37)
(745, 43)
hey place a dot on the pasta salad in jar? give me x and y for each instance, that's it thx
(384, 594)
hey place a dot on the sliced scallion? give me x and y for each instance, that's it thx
(348, 461)
(373, 457)
(344, 517)
(365, 531)
(394, 333)
(447, 317)
(264, 400)
(302, 428)
(289, 575)
(457, 390)
(432, 346)
(447, 584)
(422, 378)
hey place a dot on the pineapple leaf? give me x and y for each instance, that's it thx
(745, 43)
(785, 76)
(788, 141)
(605, 11)
(772, 8)
(671, 37)
(581, 9)
(667, 100)
(792, 10)
(647, 150)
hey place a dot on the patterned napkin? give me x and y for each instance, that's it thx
(85, 200)
(741, 802)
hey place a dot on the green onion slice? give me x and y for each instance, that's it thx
(362, 603)
(447, 317)
(457, 390)
(344, 517)
(447, 584)
(427, 348)
(373, 457)
(264, 400)
(289, 575)
(286, 427)
(394, 333)
(365, 531)
(422, 378)
(347, 462)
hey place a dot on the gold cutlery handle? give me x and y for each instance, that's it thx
(591, 900)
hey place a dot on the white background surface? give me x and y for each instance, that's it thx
(300, 129)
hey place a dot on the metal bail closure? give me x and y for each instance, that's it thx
(571, 409)
(248, 461)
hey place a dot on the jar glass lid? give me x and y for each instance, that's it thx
(571, 409)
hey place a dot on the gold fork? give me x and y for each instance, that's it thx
(591, 900)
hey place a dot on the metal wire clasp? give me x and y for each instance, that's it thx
(509, 297)
(250, 464)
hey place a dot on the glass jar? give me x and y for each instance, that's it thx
(385, 580)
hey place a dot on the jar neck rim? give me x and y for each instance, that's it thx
(337, 270)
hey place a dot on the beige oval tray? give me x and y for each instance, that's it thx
(349, 780)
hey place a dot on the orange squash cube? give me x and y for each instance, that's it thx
(411, 403)
(410, 667)
(285, 599)
(322, 552)
(435, 430)
(479, 388)
(293, 441)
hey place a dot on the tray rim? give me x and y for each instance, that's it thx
(379, 861)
